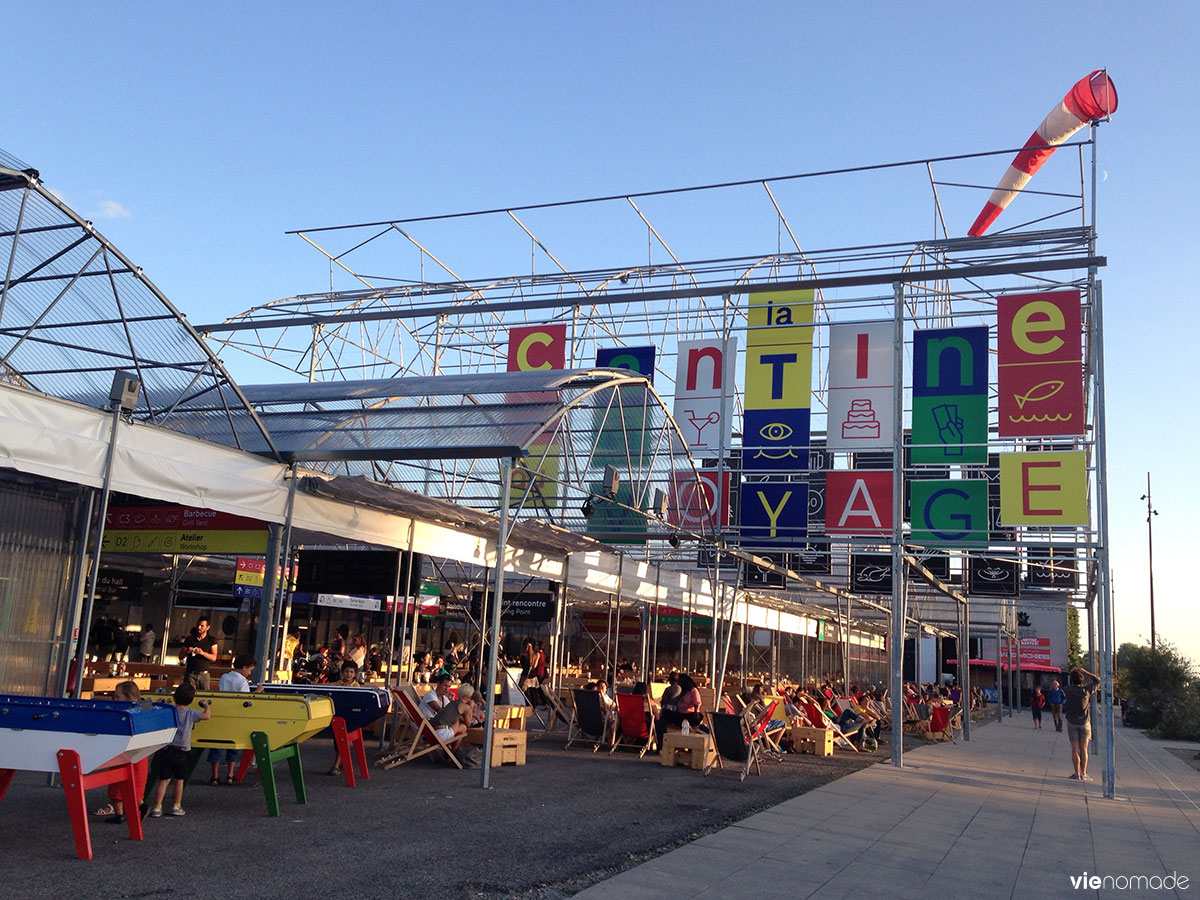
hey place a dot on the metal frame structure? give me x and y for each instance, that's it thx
(404, 325)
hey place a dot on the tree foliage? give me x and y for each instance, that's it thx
(1074, 647)
(1162, 682)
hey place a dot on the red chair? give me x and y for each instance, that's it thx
(633, 726)
(818, 719)
(940, 727)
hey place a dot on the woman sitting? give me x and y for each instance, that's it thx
(688, 708)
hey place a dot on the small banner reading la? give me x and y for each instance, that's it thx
(1039, 351)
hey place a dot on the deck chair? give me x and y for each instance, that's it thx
(771, 729)
(556, 711)
(919, 723)
(734, 743)
(939, 727)
(818, 719)
(633, 728)
(404, 750)
(589, 720)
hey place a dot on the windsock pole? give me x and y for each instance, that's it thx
(1092, 97)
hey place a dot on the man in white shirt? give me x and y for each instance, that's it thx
(433, 701)
(237, 681)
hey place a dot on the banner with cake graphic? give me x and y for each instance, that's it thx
(1039, 350)
(862, 360)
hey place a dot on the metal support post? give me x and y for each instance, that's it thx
(896, 638)
(965, 671)
(489, 686)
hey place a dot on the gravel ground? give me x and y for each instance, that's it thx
(546, 830)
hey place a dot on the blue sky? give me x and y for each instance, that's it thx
(195, 137)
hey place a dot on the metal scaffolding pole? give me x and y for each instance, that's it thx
(506, 467)
(896, 639)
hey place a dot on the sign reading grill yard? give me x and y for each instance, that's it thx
(528, 606)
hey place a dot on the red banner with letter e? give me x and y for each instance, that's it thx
(1040, 359)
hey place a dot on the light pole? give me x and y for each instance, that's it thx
(1151, 512)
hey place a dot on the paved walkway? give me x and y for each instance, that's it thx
(995, 817)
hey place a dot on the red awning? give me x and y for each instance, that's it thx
(1024, 667)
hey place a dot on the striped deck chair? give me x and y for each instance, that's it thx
(423, 733)
(818, 719)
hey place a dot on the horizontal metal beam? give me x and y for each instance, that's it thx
(944, 273)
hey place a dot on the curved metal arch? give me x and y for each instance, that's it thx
(60, 341)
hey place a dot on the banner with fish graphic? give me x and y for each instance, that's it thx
(1040, 359)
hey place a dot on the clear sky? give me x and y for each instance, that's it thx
(196, 135)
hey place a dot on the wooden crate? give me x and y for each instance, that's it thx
(694, 750)
(818, 741)
(508, 745)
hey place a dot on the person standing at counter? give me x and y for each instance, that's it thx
(146, 644)
(201, 649)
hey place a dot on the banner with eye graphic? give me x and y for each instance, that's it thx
(775, 426)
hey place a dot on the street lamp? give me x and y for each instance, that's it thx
(1151, 512)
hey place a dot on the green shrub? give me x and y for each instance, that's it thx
(1180, 719)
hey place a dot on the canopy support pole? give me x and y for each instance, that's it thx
(506, 467)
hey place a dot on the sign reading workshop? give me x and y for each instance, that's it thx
(775, 425)
(180, 529)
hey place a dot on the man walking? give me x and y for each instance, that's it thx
(1056, 698)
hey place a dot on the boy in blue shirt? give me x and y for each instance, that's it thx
(173, 759)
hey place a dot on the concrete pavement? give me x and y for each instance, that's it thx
(996, 817)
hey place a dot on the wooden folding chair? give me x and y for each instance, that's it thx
(634, 728)
(940, 725)
(589, 719)
(818, 719)
(423, 731)
(556, 711)
(735, 743)
(769, 729)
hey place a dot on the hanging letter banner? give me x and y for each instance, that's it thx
(775, 426)
(1040, 356)
(533, 347)
(774, 514)
(705, 369)
(639, 360)
(862, 360)
(858, 502)
(950, 385)
(1043, 488)
(949, 513)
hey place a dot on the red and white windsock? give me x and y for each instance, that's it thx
(1093, 97)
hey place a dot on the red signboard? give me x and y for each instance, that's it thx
(1034, 652)
(696, 504)
(1039, 352)
(858, 502)
(533, 347)
(176, 518)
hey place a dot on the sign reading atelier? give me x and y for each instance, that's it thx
(862, 360)
(858, 502)
(1040, 364)
(949, 512)
(950, 386)
(1044, 488)
(180, 529)
(775, 425)
(704, 372)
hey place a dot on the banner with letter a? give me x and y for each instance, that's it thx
(1039, 350)
(862, 362)
(950, 386)
(775, 426)
(704, 389)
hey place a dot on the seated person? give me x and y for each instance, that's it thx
(348, 675)
(456, 716)
(433, 701)
(670, 696)
(688, 708)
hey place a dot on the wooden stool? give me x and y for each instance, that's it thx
(508, 745)
(817, 741)
(694, 750)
